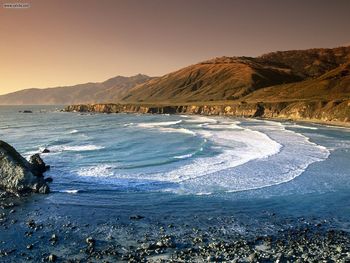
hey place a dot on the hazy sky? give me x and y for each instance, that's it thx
(65, 42)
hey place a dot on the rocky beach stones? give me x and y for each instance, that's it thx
(17, 175)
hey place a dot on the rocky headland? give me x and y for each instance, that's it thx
(332, 112)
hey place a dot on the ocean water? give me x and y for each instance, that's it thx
(177, 166)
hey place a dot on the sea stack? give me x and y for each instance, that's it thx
(19, 176)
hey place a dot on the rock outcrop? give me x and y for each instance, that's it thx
(19, 176)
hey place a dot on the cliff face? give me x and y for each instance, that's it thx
(336, 111)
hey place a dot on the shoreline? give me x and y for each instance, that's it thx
(334, 124)
(47, 232)
(249, 111)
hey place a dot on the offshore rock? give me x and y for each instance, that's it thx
(17, 175)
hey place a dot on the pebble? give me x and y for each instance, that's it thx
(90, 241)
(54, 238)
(52, 258)
(30, 246)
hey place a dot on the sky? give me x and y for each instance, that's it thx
(64, 42)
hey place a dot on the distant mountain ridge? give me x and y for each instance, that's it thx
(107, 91)
(320, 74)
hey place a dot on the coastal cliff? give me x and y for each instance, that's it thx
(336, 111)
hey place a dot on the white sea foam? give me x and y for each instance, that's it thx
(56, 149)
(200, 119)
(266, 154)
(73, 131)
(128, 124)
(230, 125)
(163, 127)
(73, 191)
(237, 146)
(102, 170)
(291, 161)
(204, 193)
(75, 148)
(203, 124)
(185, 156)
(335, 127)
(177, 130)
(40, 150)
(157, 124)
(302, 127)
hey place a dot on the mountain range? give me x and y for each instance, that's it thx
(108, 91)
(315, 74)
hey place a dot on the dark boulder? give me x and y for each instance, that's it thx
(17, 175)
(38, 165)
(46, 150)
(49, 180)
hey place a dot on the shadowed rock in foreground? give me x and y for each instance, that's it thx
(19, 176)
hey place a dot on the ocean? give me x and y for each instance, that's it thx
(246, 176)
